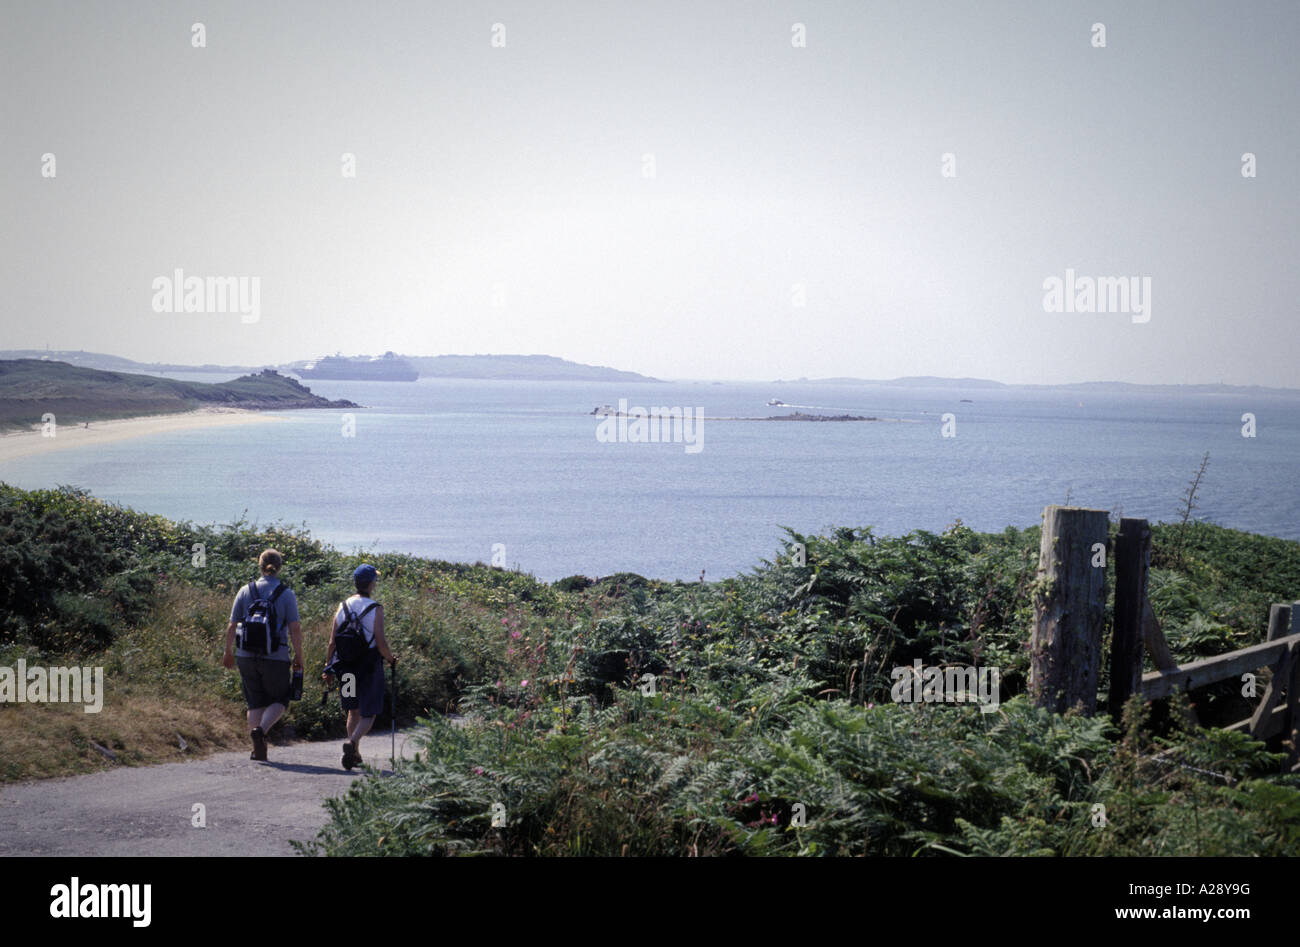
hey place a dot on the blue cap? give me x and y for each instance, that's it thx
(365, 573)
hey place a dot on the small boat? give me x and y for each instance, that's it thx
(776, 403)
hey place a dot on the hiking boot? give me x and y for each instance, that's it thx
(259, 745)
(349, 755)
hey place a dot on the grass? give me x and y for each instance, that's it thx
(769, 728)
(29, 388)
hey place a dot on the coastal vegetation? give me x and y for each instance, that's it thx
(624, 715)
(30, 388)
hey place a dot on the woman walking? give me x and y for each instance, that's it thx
(357, 650)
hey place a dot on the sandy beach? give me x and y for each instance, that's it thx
(27, 443)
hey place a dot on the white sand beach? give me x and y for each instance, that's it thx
(27, 443)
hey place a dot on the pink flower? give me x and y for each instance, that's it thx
(869, 706)
(514, 634)
(505, 621)
(478, 770)
(523, 683)
(753, 798)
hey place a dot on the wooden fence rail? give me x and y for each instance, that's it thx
(1069, 616)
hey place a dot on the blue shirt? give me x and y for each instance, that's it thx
(286, 612)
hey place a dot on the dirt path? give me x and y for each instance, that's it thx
(251, 808)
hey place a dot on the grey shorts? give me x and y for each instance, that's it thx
(369, 699)
(265, 681)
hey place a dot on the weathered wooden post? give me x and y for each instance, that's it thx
(1261, 722)
(1132, 560)
(1293, 695)
(1069, 609)
(1279, 622)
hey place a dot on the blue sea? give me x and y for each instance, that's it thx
(449, 468)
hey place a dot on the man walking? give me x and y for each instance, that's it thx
(357, 651)
(262, 612)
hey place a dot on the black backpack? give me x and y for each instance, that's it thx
(257, 632)
(350, 644)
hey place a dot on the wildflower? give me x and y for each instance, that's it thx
(523, 683)
(752, 798)
(869, 706)
(515, 633)
(478, 770)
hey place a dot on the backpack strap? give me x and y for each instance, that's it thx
(364, 612)
(274, 619)
(252, 596)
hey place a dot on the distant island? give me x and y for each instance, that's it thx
(115, 363)
(362, 367)
(605, 410)
(517, 368)
(1101, 387)
(29, 388)
(800, 416)
(393, 367)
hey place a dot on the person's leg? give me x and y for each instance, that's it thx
(349, 748)
(256, 733)
(361, 728)
(277, 681)
(270, 715)
(370, 702)
(250, 682)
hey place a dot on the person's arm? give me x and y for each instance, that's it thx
(380, 641)
(295, 635)
(228, 659)
(329, 648)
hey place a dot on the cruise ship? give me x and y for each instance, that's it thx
(386, 367)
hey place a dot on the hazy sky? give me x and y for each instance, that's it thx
(501, 203)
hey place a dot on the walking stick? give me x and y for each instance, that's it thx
(392, 729)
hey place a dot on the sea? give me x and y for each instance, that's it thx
(515, 472)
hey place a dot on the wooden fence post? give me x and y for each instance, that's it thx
(1293, 695)
(1132, 559)
(1279, 620)
(1069, 609)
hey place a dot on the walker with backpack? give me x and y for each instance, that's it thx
(257, 633)
(352, 650)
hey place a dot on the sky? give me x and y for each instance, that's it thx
(719, 190)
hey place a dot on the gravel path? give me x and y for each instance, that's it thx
(251, 808)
